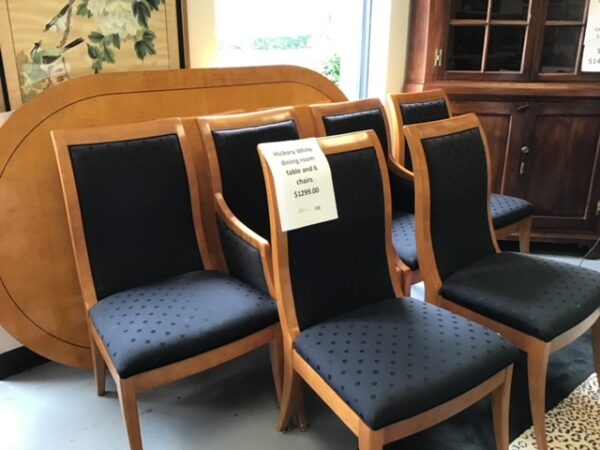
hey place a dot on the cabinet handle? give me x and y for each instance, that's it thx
(522, 168)
(525, 106)
(525, 149)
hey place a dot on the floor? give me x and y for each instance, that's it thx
(53, 407)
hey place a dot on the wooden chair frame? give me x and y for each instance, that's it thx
(538, 351)
(128, 388)
(296, 368)
(398, 154)
(321, 110)
(206, 125)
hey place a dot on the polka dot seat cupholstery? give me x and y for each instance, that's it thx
(173, 319)
(507, 210)
(540, 297)
(403, 238)
(397, 358)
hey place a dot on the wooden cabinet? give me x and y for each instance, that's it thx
(548, 153)
(517, 65)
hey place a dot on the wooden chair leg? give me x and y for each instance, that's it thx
(276, 351)
(128, 401)
(537, 370)
(300, 409)
(525, 236)
(369, 439)
(406, 281)
(289, 392)
(500, 409)
(596, 345)
(99, 368)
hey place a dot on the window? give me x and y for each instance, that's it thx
(324, 35)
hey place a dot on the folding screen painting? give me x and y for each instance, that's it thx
(49, 42)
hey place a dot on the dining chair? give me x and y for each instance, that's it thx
(509, 214)
(540, 305)
(369, 114)
(388, 367)
(158, 310)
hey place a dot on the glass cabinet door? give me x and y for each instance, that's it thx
(487, 37)
(563, 32)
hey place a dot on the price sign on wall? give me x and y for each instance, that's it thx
(591, 44)
(302, 181)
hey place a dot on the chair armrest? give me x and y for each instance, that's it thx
(248, 255)
(403, 274)
(400, 171)
(402, 185)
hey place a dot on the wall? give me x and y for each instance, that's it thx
(7, 342)
(201, 33)
(389, 46)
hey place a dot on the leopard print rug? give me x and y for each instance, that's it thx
(573, 424)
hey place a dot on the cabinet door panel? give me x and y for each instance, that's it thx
(561, 174)
(496, 119)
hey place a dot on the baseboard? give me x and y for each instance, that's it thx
(18, 360)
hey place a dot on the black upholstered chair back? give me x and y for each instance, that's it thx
(136, 211)
(241, 176)
(368, 119)
(340, 265)
(459, 188)
(420, 112)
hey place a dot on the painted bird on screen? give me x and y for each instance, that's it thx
(50, 55)
(59, 21)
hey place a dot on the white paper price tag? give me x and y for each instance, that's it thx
(590, 60)
(302, 181)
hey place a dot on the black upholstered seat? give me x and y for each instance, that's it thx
(382, 362)
(404, 238)
(394, 359)
(540, 297)
(507, 210)
(173, 319)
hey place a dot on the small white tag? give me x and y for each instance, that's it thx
(302, 181)
(590, 60)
